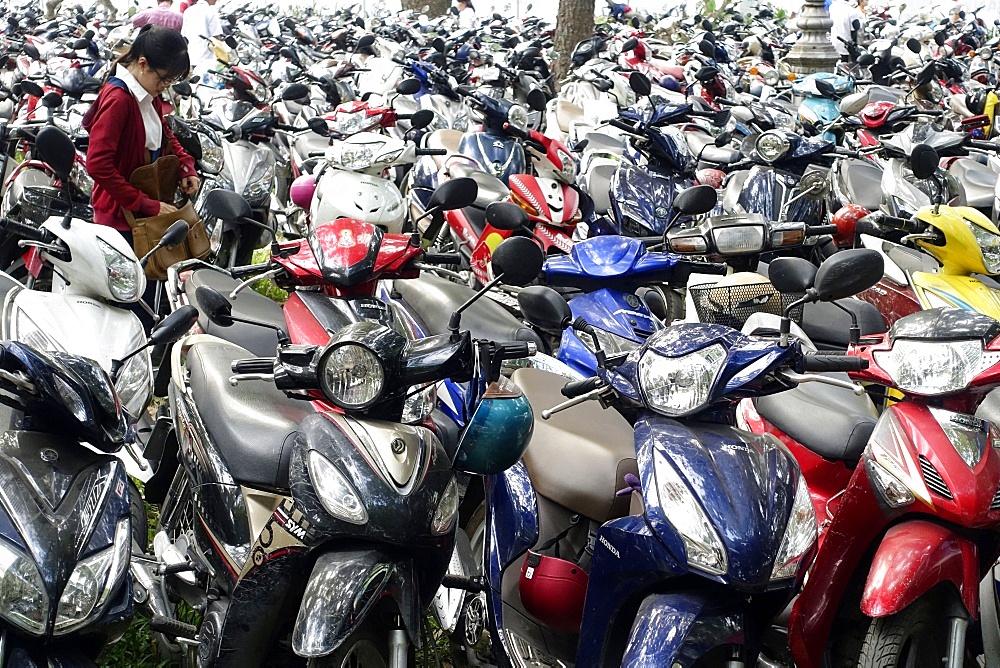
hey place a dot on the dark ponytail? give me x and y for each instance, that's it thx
(165, 49)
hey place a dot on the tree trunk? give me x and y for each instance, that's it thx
(574, 22)
(434, 7)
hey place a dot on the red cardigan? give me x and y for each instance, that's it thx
(117, 147)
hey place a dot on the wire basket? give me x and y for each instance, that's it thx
(39, 203)
(732, 305)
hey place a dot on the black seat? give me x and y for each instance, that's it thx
(829, 327)
(260, 341)
(863, 182)
(253, 424)
(434, 299)
(476, 218)
(831, 421)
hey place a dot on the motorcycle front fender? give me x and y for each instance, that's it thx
(678, 629)
(914, 557)
(343, 589)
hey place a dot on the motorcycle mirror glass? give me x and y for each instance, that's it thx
(722, 117)
(926, 75)
(825, 88)
(724, 139)
(409, 86)
(940, 37)
(536, 99)
(295, 91)
(52, 100)
(696, 200)
(290, 24)
(214, 305)
(182, 88)
(453, 194)
(531, 52)
(791, 274)
(195, 79)
(913, 45)
(175, 234)
(511, 42)
(815, 184)
(640, 84)
(437, 59)
(359, 22)
(635, 22)
(506, 216)
(866, 60)
(630, 44)
(707, 48)
(31, 88)
(31, 51)
(81, 44)
(421, 119)
(366, 41)
(231, 42)
(706, 25)
(56, 149)
(318, 125)
(518, 260)
(923, 161)
(847, 273)
(174, 326)
(227, 205)
(438, 44)
(497, 16)
(81, 19)
(285, 52)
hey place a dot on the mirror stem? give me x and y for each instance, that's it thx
(786, 321)
(855, 330)
(455, 323)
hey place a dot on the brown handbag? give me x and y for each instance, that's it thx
(159, 181)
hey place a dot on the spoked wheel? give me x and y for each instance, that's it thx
(471, 633)
(915, 638)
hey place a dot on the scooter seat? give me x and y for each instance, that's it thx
(260, 341)
(978, 180)
(446, 139)
(599, 186)
(703, 146)
(829, 327)
(910, 260)
(598, 141)
(434, 299)
(253, 424)
(309, 144)
(831, 421)
(577, 458)
(491, 189)
(567, 113)
(863, 183)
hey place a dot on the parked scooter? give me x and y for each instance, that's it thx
(271, 510)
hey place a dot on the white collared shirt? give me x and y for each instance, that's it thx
(151, 120)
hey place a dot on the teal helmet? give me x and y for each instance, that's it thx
(498, 432)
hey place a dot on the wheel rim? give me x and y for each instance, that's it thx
(363, 654)
(475, 619)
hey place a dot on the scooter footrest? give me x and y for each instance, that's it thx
(474, 584)
(173, 627)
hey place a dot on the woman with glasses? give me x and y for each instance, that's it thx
(127, 130)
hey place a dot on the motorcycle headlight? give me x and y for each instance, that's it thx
(517, 116)
(771, 77)
(739, 239)
(93, 581)
(934, 367)
(135, 380)
(568, 169)
(349, 124)
(460, 121)
(23, 600)
(678, 386)
(334, 491)
(123, 273)
(771, 145)
(702, 544)
(419, 405)
(259, 185)
(82, 179)
(447, 509)
(800, 534)
(26, 331)
(351, 376)
(212, 156)
(989, 244)
(356, 156)
(611, 343)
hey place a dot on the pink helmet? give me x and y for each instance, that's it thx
(301, 191)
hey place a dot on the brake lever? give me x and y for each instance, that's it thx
(569, 403)
(253, 279)
(793, 377)
(235, 379)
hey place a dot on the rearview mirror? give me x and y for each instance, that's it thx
(365, 41)
(175, 234)
(295, 91)
(707, 48)
(923, 161)
(866, 60)
(825, 88)
(544, 308)
(926, 75)
(536, 99)
(421, 119)
(215, 306)
(454, 194)
(506, 216)
(56, 149)
(630, 44)
(439, 44)
(913, 45)
(409, 86)
(847, 273)
(31, 88)
(640, 84)
(792, 274)
(31, 51)
(318, 125)
(227, 205)
(518, 260)
(696, 200)
(174, 326)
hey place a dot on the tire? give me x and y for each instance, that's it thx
(917, 637)
(137, 510)
(367, 647)
(471, 633)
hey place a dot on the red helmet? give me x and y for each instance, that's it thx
(846, 219)
(875, 113)
(710, 177)
(553, 591)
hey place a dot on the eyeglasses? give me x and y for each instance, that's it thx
(164, 81)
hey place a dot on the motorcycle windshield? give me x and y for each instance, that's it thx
(608, 260)
(500, 156)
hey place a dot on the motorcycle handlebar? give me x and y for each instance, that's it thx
(576, 388)
(621, 125)
(820, 230)
(826, 363)
(513, 350)
(25, 231)
(255, 365)
(984, 145)
(249, 270)
(432, 151)
(442, 258)
(516, 132)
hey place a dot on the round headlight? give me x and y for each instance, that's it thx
(985, 53)
(771, 77)
(351, 376)
(517, 116)
(772, 145)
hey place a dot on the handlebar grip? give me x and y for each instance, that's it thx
(25, 231)
(576, 388)
(820, 230)
(621, 125)
(442, 258)
(718, 269)
(516, 132)
(823, 363)
(984, 145)
(727, 102)
(249, 270)
(255, 365)
(930, 112)
(432, 151)
(513, 350)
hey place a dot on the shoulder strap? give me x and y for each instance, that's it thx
(117, 83)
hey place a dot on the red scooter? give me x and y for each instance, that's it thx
(908, 501)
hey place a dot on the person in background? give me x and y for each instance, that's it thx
(466, 14)
(184, 4)
(843, 16)
(162, 15)
(201, 23)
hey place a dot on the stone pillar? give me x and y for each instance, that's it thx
(814, 51)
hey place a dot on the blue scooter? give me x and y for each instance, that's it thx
(658, 534)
